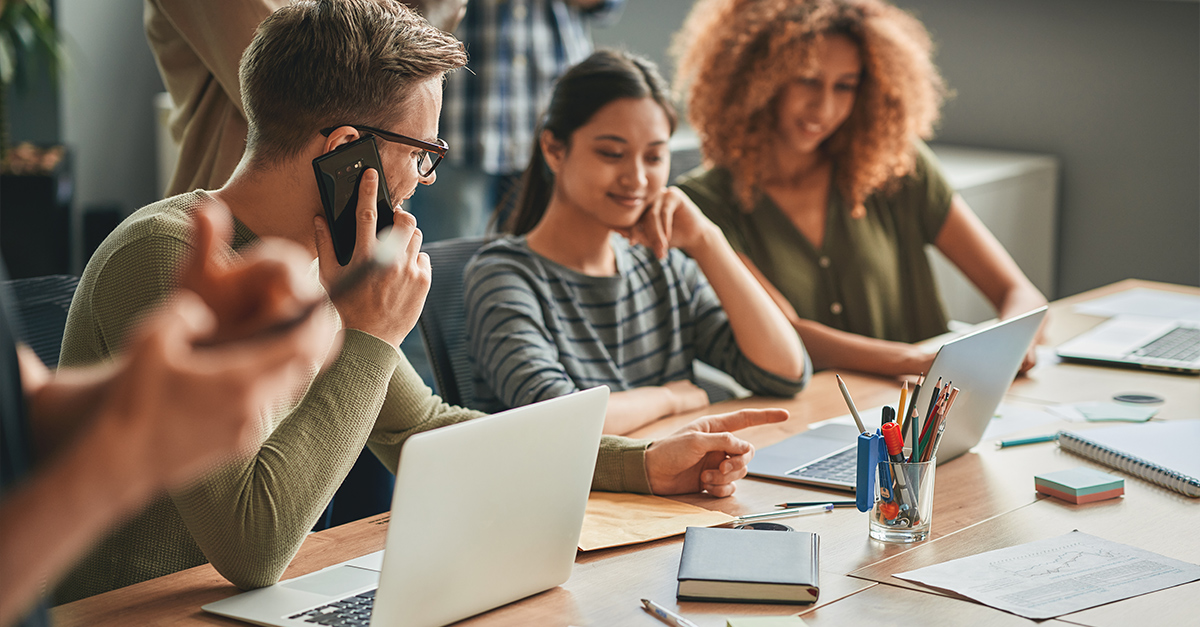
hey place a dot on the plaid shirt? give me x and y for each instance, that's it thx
(517, 49)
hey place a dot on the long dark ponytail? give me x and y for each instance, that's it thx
(603, 77)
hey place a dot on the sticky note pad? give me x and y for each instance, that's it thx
(1115, 412)
(764, 621)
(1079, 485)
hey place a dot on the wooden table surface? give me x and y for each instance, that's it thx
(985, 499)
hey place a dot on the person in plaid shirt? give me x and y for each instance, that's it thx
(517, 49)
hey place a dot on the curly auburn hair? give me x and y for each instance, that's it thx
(735, 57)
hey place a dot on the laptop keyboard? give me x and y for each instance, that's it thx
(841, 467)
(1181, 344)
(351, 612)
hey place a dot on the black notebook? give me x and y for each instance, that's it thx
(748, 566)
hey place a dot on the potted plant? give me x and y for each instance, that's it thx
(35, 186)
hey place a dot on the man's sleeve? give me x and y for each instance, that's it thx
(250, 516)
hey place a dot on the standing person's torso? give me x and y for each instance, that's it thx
(518, 49)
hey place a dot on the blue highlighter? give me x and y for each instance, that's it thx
(871, 451)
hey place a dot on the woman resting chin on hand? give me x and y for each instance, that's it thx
(610, 278)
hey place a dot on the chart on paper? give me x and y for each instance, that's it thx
(1056, 576)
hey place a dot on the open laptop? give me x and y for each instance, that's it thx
(485, 512)
(981, 364)
(1141, 342)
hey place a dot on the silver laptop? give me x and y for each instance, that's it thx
(982, 364)
(485, 512)
(1153, 343)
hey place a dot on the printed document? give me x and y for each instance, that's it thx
(1057, 576)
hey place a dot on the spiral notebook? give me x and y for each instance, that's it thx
(1166, 453)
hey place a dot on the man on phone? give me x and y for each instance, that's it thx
(316, 74)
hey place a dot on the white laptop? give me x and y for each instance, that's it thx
(1141, 342)
(485, 512)
(981, 364)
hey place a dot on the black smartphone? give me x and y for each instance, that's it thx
(338, 174)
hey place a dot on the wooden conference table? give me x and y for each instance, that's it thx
(984, 500)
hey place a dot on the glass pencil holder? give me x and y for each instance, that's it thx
(903, 507)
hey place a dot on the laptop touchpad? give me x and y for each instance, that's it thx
(335, 582)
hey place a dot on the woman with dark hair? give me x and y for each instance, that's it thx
(811, 114)
(592, 286)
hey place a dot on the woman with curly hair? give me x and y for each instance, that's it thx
(593, 287)
(810, 115)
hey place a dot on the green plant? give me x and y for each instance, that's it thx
(27, 33)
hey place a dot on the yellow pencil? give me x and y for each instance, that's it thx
(900, 408)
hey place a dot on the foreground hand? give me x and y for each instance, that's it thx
(671, 221)
(389, 302)
(267, 286)
(178, 405)
(704, 455)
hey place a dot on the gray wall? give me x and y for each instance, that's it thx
(106, 108)
(1112, 87)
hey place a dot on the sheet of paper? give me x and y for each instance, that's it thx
(1057, 576)
(1014, 417)
(618, 519)
(1144, 302)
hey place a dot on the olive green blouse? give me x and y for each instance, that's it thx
(871, 276)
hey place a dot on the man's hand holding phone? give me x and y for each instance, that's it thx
(389, 302)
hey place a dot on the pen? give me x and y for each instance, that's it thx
(909, 414)
(850, 403)
(665, 615)
(783, 513)
(1023, 441)
(809, 503)
(933, 399)
(894, 441)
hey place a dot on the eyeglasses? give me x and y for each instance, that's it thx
(430, 153)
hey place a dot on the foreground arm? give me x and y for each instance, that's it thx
(971, 246)
(148, 422)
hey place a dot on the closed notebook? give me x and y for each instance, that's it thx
(749, 566)
(1166, 453)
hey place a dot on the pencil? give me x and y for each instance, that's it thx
(900, 407)
(850, 403)
(912, 403)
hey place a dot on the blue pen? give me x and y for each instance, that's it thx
(1023, 441)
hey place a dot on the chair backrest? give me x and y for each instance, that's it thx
(443, 322)
(41, 310)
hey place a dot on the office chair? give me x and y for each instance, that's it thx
(443, 323)
(41, 305)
